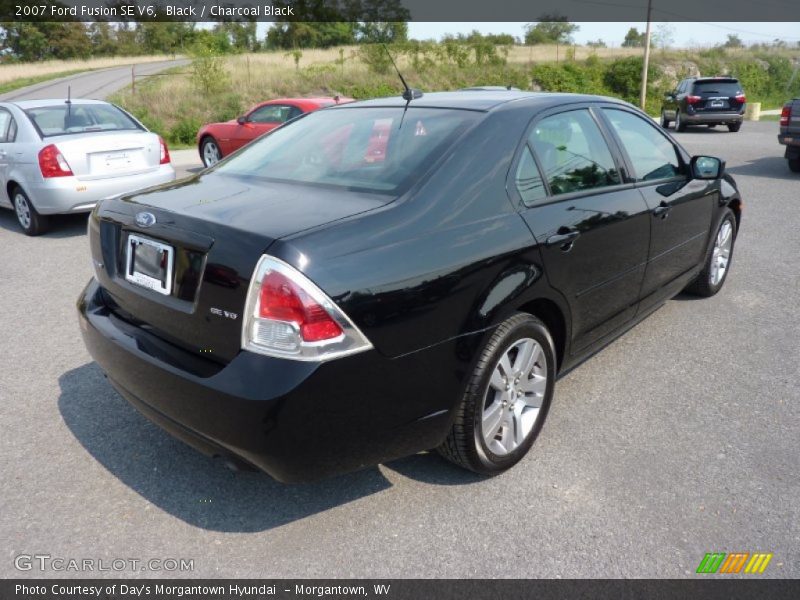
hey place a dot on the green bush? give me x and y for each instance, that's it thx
(185, 131)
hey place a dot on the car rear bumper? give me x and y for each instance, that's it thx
(71, 194)
(788, 139)
(719, 117)
(297, 421)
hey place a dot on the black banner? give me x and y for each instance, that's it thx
(737, 588)
(400, 10)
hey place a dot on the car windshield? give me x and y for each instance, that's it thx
(66, 119)
(371, 149)
(722, 88)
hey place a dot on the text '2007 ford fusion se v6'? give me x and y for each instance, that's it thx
(390, 276)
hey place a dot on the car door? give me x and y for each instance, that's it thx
(260, 121)
(671, 100)
(681, 208)
(591, 226)
(8, 134)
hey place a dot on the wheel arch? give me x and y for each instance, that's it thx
(736, 206)
(553, 317)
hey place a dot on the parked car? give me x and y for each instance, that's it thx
(217, 140)
(707, 101)
(789, 134)
(373, 309)
(60, 156)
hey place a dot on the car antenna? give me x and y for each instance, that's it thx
(409, 94)
(68, 102)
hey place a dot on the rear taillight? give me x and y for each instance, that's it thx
(164, 158)
(740, 97)
(287, 316)
(693, 99)
(786, 115)
(52, 163)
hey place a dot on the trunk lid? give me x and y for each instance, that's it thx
(718, 95)
(216, 227)
(112, 154)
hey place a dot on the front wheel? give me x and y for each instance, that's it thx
(664, 120)
(794, 165)
(31, 222)
(734, 127)
(718, 261)
(506, 400)
(209, 151)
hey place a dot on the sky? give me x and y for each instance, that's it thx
(684, 34)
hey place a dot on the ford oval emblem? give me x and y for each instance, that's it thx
(145, 219)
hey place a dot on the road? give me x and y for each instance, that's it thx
(680, 438)
(97, 84)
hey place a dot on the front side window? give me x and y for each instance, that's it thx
(371, 149)
(275, 113)
(65, 119)
(651, 154)
(573, 153)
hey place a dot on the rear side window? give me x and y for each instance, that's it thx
(652, 155)
(717, 88)
(8, 127)
(528, 180)
(66, 119)
(573, 153)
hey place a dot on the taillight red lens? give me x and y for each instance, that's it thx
(164, 152)
(281, 299)
(52, 163)
(741, 98)
(786, 115)
(693, 99)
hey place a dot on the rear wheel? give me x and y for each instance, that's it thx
(718, 262)
(31, 222)
(680, 125)
(664, 120)
(794, 165)
(711, 125)
(210, 152)
(734, 127)
(507, 398)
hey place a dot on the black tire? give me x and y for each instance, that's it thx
(664, 120)
(206, 144)
(794, 165)
(703, 286)
(680, 125)
(734, 127)
(711, 125)
(465, 445)
(30, 221)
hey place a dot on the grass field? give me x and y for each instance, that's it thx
(16, 75)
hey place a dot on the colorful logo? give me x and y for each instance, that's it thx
(720, 562)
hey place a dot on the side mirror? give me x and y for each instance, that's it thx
(707, 167)
(241, 120)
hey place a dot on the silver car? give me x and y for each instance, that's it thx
(60, 156)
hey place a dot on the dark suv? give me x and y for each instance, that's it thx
(707, 101)
(789, 134)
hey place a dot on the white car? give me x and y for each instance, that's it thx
(62, 156)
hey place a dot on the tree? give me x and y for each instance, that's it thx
(596, 44)
(664, 36)
(633, 39)
(733, 41)
(552, 29)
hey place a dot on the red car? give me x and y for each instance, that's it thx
(216, 140)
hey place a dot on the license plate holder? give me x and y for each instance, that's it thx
(717, 104)
(149, 264)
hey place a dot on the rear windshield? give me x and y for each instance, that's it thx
(66, 119)
(723, 88)
(370, 149)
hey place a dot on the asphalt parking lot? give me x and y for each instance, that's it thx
(680, 438)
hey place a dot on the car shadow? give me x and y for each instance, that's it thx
(772, 167)
(61, 226)
(200, 490)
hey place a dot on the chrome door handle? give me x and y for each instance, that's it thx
(565, 237)
(662, 210)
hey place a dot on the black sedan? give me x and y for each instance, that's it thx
(387, 277)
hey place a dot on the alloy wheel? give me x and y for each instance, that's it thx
(23, 210)
(514, 398)
(210, 154)
(722, 253)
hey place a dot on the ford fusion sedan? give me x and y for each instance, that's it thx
(305, 309)
(60, 156)
(217, 140)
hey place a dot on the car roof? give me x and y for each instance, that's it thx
(25, 104)
(484, 100)
(717, 79)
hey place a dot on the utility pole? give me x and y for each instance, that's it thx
(643, 94)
